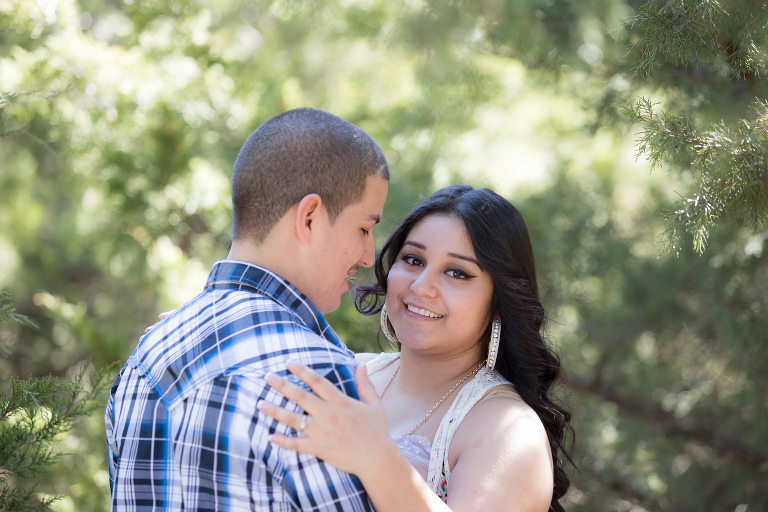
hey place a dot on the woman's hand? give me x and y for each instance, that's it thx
(353, 436)
(163, 316)
(349, 434)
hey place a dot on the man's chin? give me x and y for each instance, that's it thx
(330, 306)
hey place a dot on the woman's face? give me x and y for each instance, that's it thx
(437, 295)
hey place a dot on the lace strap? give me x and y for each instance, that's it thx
(471, 394)
(381, 361)
(498, 391)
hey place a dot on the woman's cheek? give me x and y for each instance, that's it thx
(397, 278)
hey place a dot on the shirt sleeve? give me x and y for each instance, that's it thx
(109, 427)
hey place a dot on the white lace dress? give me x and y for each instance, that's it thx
(434, 457)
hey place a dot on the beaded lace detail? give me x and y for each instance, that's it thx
(416, 450)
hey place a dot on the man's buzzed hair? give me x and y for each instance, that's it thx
(300, 152)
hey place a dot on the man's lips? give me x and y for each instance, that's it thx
(350, 277)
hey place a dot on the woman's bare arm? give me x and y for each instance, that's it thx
(502, 460)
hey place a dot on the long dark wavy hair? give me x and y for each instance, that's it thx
(502, 246)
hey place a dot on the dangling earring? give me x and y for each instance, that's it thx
(384, 327)
(493, 346)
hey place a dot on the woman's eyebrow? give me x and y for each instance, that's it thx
(467, 258)
(450, 254)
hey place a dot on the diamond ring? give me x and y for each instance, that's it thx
(302, 424)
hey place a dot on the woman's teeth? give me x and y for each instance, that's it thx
(423, 312)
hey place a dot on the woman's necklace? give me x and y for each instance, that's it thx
(470, 374)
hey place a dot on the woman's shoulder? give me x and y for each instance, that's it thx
(507, 423)
(505, 408)
(502, 446)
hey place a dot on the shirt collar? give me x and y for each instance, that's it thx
(239, 275)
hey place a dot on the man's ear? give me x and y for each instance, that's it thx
(308, 214)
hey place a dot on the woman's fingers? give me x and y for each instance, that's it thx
(320, 385)
(301, 396)
(291, 419)
(163, 316)
(344, 432)
(364, 385)
(298, 444)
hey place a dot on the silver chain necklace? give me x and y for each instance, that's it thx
(470, 374)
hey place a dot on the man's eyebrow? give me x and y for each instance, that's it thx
(466, 258)
(375, 218)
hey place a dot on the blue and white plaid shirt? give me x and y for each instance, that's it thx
(183, 430)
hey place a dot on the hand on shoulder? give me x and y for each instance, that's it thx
(364, 357)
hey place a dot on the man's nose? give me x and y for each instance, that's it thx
(369, 251)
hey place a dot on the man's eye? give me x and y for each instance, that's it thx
(365, 232)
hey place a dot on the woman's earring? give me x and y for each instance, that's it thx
(384, 327)
(493, 346)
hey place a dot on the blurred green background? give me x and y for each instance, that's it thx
(123, 119)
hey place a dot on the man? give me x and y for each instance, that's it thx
(183, 430)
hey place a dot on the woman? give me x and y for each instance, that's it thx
(467, 400)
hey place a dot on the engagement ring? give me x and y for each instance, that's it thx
(303, 424)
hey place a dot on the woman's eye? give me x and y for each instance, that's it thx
(412, 260)
(456, 274)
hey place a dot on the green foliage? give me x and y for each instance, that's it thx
(682, 31)
(663, 354)
(33, 413)
(691, 33)
(727, 161)
(123, 210)
(8, 312)
(728, 165)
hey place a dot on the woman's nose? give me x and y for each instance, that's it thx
(424, 285)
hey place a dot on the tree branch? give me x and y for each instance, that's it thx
(727, 449)
(626, 331)
(625, 489)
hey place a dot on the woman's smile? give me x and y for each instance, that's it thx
(438, 294)
(421, 313)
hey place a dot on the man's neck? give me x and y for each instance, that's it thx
(273, 254)
(247, 251)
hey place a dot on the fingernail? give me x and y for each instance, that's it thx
(291, 364)
(271, 378)
(262, 406)
(272, 438)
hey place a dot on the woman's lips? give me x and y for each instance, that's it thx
(421, 313)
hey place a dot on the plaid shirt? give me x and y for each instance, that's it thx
(183, 430)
